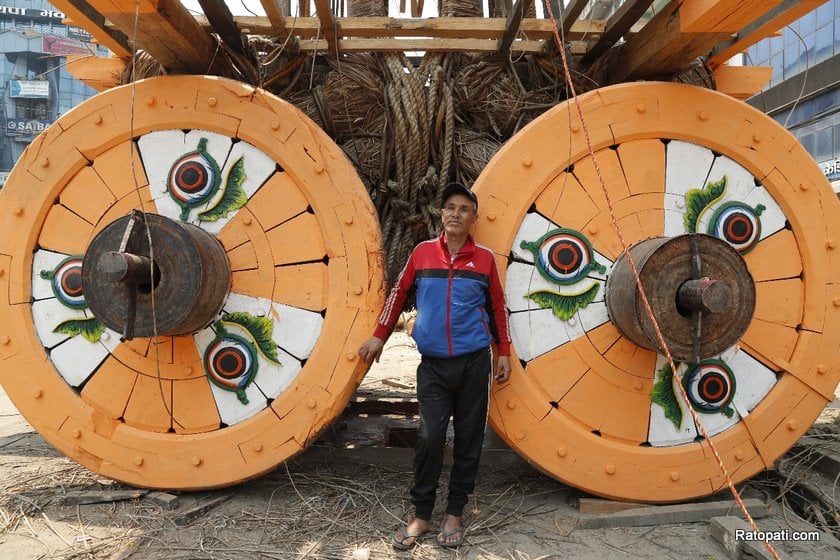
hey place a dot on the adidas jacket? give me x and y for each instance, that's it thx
(460, 301)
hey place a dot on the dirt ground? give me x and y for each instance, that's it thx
(335, 502)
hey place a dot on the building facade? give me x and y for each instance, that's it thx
(804, 93)
(35, 86)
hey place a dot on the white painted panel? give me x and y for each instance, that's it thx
(595, 314)
(258, 166)
(753, 381)
(77, 358)
(522, 279)
(231, 409)
(296, 330)
(44, 260)
(661, 431)
(258, 307)
(686, 167)
(272, 379)
(47, 314)
(772, 218)
(535, 333)
(718, 422)
(158, 151)
(533, 227)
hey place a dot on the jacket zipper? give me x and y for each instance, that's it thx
(449, 304)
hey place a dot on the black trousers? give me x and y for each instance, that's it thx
(457, 387)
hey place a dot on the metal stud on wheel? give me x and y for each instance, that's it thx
(591, 400)
(248, 206)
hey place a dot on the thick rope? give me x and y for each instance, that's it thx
(648, 308)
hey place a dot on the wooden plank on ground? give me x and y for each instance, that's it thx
(188, 516)
(725, 530)
(677, 513)
(598, 505)
(85, 497)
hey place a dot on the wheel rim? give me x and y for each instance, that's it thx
(586, 404)
(302, 241)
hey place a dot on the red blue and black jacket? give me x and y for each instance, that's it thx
(460, 301)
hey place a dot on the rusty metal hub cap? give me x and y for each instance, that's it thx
(175, 287)
(703, 298)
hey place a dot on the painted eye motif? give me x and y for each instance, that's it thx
(563, 256)
(194, 179)
(737, 224)
(710, 386)
(231, 363)
(67, 283)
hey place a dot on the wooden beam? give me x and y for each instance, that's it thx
(276, 14)
(85, 16)
(765, 26)
(742, 82)
(702, 16)
(571, 13)
(618, 25)
(166, 30)
(98, 72)
(425, 44)
(328, 25)
(514, 19)
(220, 18)
(662, 47)
(454, 27)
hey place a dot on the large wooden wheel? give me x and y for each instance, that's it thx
(592, 401)
(252, 208)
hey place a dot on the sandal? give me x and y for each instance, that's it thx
(443, 535)
(403, 533)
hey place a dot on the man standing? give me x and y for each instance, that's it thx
(460, 310)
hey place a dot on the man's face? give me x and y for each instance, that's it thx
(459, 214)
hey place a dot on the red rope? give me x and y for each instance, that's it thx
(638, 280)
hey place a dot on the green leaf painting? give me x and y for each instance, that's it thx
(564, 306)
(698, 200)
(259, 328)
(663, 395)
(91, 328)
(234, 196)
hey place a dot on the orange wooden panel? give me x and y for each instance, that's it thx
(150, 404)
(115, 167)
(780, 301)
(87, 196)
(628, 417)
(110, 387)
(303, 285)
(243, 257)
(643, 164)
(566, 202)
(636, 361)
(297, 241)
(771, 343)
(782, 417)
(775, 257)
(608, 174)
(277, 201)
(153, 360)
(557, 371)
(64, 232)
(193, 406)
(238, 230)
(603, 337)
(811, 362)
(123, 207)
(254, 283)
(590, 401)
(638, 217)
(186, 361)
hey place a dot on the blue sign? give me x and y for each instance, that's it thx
(15, 127)
(31, 89)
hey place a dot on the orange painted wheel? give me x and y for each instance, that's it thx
(299, 251)
(587, 404)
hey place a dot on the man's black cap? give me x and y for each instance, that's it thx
(457, 188)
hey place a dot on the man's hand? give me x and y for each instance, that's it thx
(502, 369)
(371, 349)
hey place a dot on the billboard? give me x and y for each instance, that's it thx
(25, 127)
(29, 89)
